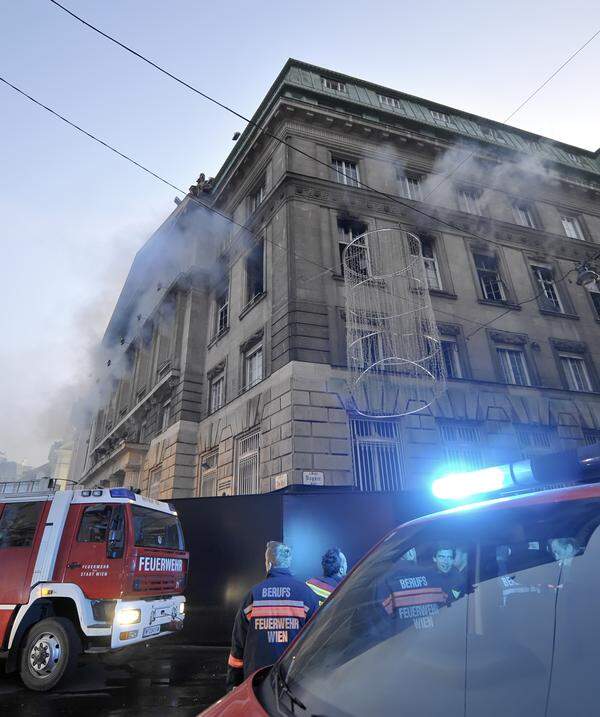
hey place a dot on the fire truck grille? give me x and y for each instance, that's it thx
(157, 583)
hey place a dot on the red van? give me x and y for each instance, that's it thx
(488, 609)
(88, 570)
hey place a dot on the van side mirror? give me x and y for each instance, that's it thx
(116, 534)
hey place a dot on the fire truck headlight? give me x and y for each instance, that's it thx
(129, 616)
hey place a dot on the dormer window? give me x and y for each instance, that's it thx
(330, 84)
(492, 134)
(390, 101)
(441, 117)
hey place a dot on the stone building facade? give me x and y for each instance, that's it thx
(230, 337)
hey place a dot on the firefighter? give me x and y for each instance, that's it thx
(334, 566)
(270, 617)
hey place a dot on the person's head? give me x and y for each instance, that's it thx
(563, 548)
(334, 563)
(277, 555)
(444, 558)
(461, 557)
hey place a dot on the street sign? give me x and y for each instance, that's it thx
(281, 481)
(313, 478)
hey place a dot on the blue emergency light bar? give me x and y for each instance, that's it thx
(122, 493)
(552, 469)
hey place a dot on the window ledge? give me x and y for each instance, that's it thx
(559, 314)
(505, 304)
(215, 339)
(245, 389)
(443, 294)
(251, 304)
(339, 277)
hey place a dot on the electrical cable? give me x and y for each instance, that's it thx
(181, 191)
(262, 130)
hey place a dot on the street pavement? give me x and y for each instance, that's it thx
(166, 680)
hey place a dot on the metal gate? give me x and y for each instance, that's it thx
(376, 454)
(247, 464)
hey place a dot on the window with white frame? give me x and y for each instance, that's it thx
(549, 296)
(257, 197)
(221, 310)
(468, 201)
(345, 172)
(247, 464)
(253, 366)
(575, 371)
(255, 272)
(432, 272)
(451, 356)
(513, 364)
(490, 281)
(572, 227)
(348, 232)
(492, 134)
(390, 101)
(154, 480)
(524, 216)
(410, 186)
(217, 392)
(335, 85)
(165, 416)
(208, 474)
(594, 292)
(441, 117)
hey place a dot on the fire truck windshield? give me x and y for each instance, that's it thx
(154, 529)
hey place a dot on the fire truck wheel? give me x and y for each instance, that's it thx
(49, 653)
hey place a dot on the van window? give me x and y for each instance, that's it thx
(18, 524)
(460, 615)
(154, 529)
(94, 523)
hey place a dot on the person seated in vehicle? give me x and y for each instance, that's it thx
(452, 581)
(563, 550)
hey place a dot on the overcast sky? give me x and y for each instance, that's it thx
(73, 214)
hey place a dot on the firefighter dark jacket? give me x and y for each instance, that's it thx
(324, 586)
(270, 617)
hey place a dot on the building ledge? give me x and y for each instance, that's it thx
(251, 304)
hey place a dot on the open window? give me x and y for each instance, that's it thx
(254, 266)
(348, 231)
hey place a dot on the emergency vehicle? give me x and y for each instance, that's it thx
(512, 627)
(84, 571)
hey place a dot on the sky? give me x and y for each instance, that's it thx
(72, 214)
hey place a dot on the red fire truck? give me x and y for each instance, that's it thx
(84, 571)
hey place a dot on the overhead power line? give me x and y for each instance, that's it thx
(262, 130)
(191, 197)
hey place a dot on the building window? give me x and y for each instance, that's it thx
(534, 439)
(257, 197)
(468, 201)
(451, 357)
(165, 416)
(514, 366)
(217, 392)
(247, 464)
(253, 366)
(490, 281)
(441, 117)
(376, 454)
(430, 262)
(345, 172)
(154, 480)
(523, 213)
(255, 272)
(462, 445)
(549, 297)
(594, 293)
(390, 101)
(591, 436)
(359, 257)
(208, 474)
(572, 227)
(575, 372)
(410, 186)
(330, 84)
(221, 311)
(492, 134)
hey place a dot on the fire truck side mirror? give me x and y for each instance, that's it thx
(114, 549)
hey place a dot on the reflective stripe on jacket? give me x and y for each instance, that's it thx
(270, 617)
(323, 587)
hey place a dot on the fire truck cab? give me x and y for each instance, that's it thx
(84, 571)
